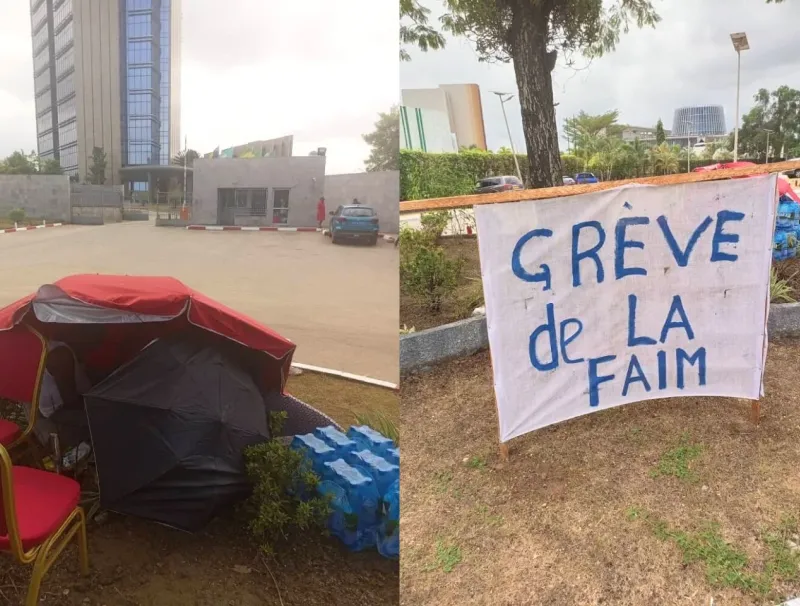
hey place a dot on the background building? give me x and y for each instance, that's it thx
(107, 74)
(280, 147)
(426, 130)
(461, 103)
(699, 121)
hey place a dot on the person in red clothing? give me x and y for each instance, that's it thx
(321, 211)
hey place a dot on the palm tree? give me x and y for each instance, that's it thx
(664, 159)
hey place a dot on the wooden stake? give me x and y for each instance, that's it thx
(755, 411)
(504, 452)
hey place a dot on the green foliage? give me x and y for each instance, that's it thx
(661, 135)
(20, 163)
(434, 223)
(780, 289)
(777, 111)
(414, 29)
(446, 557)
(17, 215)
(97, 169)
(677, 462)
(425, 270)
(384, 141)
(380, 422)
(280, 475)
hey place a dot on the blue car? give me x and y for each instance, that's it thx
(354, 222)
(586, 178)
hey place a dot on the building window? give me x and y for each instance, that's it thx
(41, 60)
(42, 81)
(140, 26)
(140, 51)
(259, 202)
(65, 62)
(66, 111)
(43, 102)
(40, 39)
(39, 16)
(44, 122)
(67, 134)
(226, 197)
(62, 12)
(65, 87)
(68, 157)
(140, 78)
(45, 143)
(241, 198)
(140, 5)
(280, 206)
(64, 38)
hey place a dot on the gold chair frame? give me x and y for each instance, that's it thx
(37, 388)
(44, 555)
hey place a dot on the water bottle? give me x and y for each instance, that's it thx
(389, 530)
(393, 456)
(370, 439)
(378, 468)
(315, 449)
(336, 440)
(362, 492)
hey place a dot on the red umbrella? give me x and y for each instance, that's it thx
(785, 189)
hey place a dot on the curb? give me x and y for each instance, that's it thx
(421, 350)
(346, 375)
(11, 230)
(247, 228)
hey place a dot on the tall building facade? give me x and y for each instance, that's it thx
(107, 74)
(699, 121)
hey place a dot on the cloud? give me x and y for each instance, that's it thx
(688, 59)
(253, 69)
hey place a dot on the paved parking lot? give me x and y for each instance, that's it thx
(338, 303)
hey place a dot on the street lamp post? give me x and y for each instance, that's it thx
(688, 147)
(739, 44)
(503, 97)
(766, 155)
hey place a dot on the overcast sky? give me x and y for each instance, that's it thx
(252, 69)
(687, 60)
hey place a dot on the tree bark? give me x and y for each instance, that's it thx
(533, 66)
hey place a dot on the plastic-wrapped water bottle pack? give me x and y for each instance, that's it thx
(787, 229)
(360, 471)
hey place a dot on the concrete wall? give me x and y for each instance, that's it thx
(380, 190)
(41, 196)
(96, 215)
(304, 176)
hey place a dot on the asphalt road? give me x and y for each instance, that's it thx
(340, 303)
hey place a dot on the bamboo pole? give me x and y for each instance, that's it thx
(574, 190)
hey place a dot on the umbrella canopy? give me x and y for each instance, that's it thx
(169, 429)
(112, 317)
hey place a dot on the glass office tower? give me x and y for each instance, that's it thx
(106, 75)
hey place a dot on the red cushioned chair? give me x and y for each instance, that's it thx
(39, 515)
(22, 363)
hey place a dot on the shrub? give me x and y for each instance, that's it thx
(426, 272)
(780, 290)
(284, 498)
(434, 223)
(381, 423)
(17, 215)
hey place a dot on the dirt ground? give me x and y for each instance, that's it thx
(468, 295)
(609, 508)
(138, 563)
(338, 303)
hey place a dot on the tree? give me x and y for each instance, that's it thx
(665, 159)
(385, 142)
(414, 29)
(661, 136)
(97, 170)
(532, 33)
(777, 111)
(51, 167)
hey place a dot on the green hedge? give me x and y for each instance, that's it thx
(424, 175)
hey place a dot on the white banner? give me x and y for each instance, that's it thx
(630, 294)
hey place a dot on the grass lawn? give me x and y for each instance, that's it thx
(673, 501)
(135, 562)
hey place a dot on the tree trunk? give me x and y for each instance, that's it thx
(533, 65)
